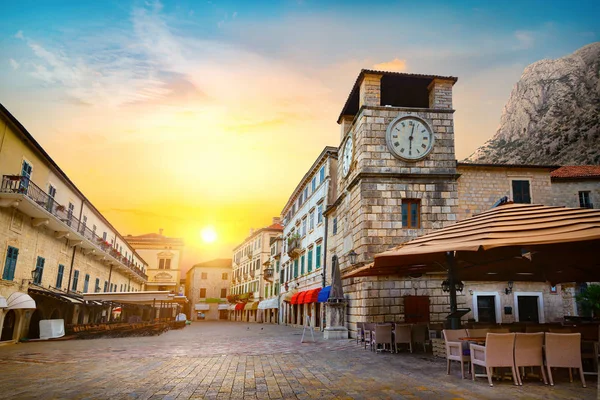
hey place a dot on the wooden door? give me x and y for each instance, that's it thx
(416, 309)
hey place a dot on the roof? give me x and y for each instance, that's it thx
(273, 227)
(483, 165)
(513, 242)
(327, 151)
(216, 263)
(62, 174)
(576, 172)
(154, 238)
(392, 80)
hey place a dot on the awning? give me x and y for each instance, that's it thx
(513, 242)
(239, 306)
(18, 300)
(3, 302)
(223, 306)
(301, 296)
(312, 296)
(324, 294)
(288, 297)
(232, 307)
(201, 307)
(72, 298)
(294, 299)
(251, 306)
(268, 304)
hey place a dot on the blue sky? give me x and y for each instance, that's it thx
(180, 86)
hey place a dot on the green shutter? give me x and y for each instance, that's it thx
(302, 265)
(10, 264)
(296, 268)
(310, 258)
(318, 260)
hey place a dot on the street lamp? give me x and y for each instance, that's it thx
(35, 275)
(509, 289)
(445, 286)
(352, 256)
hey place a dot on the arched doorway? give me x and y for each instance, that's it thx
(34, 325)
(8, 329)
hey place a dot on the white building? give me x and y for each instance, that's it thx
(303, 259)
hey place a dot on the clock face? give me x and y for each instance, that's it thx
(347, 156)
(409, 138)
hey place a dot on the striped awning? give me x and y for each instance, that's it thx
(513, 242)
(251, 306)
(323, 294)
(3, 303)
(18, 300)
(294, 299)
(240, 306)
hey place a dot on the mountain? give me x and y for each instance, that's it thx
(552, 115)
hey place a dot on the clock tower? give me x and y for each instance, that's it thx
(398, 176)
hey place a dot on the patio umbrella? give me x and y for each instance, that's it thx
(513, 242)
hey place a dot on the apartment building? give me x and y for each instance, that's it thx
(270, 302)
(303, 254)
(207, 288)
(163, 255)
(250, 260)
(54, 244)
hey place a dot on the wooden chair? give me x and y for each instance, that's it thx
(563, 350)
(382, 335)
(367, 329)
(360, 333)
(477, 332)
(455, 349)
(497, 352)
(403, 335)
(529, 353)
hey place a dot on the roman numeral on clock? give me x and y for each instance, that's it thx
(396, 144)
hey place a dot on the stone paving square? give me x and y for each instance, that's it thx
(234, 360)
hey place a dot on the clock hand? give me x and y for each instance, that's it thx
(410, 139)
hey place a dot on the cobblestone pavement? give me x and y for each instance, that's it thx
(232, 360)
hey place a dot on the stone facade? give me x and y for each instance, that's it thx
(207, 288)
(566, 192)
(480, 186)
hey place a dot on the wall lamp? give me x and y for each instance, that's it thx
(353, 256)
(509, 289)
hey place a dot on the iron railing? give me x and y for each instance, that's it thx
(23, 185)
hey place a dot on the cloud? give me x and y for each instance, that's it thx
(396, 65)
(15, 65)
(19, 35)
(525, 39)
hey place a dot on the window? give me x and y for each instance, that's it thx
(39, 270)
(52, 195)
(94, 230)
(224, 276)
(12, 253)
(83, 223)
(168, 263)
(277, 266)
(304, 227)
(70, 212)
(204, 275)
(105, 286)
(318, 260)
(309, 261)
(322, 174)
(266, 291)
(202, 293)
(223, 293)
(313, 184)
(335, 226)
(311, 220)
(319, 213)
(521, 192)
(75, 279)
(161, 263)
(305, 193)
(302, 265)
(26, 169)
(584, 200)
(86, 283)
(59, 276)
(411, 213)
(97, 286)
(104, 236)
(296, 268)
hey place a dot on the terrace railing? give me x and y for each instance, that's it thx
(23, 185)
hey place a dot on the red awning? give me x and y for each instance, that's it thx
(294, 299)
(312, 296)
(301, 298)
(240, 306)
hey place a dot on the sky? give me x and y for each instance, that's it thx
(197, 116)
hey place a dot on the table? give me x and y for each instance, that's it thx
(478, 340)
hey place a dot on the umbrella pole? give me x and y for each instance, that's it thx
(451, 262)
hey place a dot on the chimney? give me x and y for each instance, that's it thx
(276, 220)
(160, 231)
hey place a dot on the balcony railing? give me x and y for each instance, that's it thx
(268, 273)
(294, 248)
(22, 185)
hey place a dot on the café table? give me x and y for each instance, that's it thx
(477, 340)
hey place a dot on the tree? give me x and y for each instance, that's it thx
(589, 299)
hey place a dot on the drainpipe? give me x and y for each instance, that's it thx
(75, 247)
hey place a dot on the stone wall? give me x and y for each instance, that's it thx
(479, 187)
(567, 192)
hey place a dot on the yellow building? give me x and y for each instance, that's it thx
(54, 244)
(207, 288)
(163, 255)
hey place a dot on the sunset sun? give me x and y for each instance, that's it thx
(208, 234)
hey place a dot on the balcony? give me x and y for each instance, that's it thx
(19, 192)
(268, 273)
(294, 247)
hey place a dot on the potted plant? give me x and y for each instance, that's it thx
(590, 300)
(60, 207)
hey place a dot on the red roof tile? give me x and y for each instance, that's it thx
(576, 171)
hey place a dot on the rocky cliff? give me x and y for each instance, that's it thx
(552, 115)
